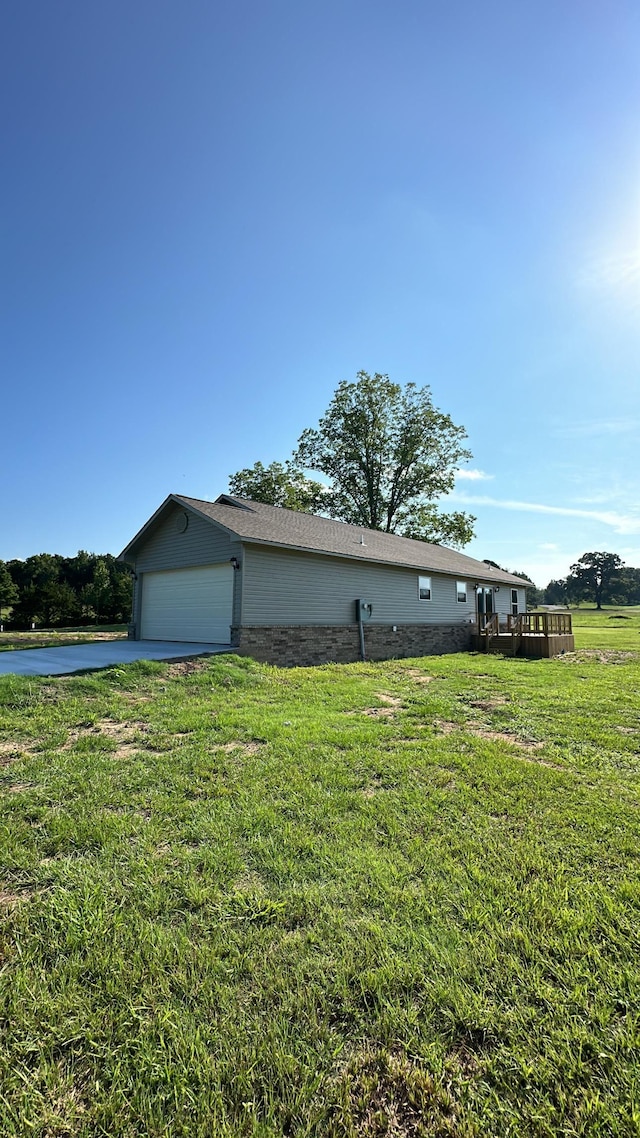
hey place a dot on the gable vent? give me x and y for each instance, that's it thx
(226, 500)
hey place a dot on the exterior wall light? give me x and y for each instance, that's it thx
(234, 561)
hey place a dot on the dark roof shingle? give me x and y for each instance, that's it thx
(273, 525)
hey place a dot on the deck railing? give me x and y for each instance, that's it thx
(489, 626)
(540, 623)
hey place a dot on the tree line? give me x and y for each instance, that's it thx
(51, 591)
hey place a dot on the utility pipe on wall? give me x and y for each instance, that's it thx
(363, 612)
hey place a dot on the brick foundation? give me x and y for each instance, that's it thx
(300, 645)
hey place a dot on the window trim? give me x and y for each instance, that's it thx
(462, 587)
(426, 588)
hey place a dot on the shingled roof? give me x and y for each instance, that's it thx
(289, 529)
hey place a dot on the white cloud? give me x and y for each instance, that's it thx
(595, 427)
(473, 475)
(621, 523)
(547, 545)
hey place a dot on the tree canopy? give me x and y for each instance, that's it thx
(8, 590)
(279, 485)
(52, 591)
(595, 572)
(601, 577)
(387, 454)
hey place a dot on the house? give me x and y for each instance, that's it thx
(282, 586)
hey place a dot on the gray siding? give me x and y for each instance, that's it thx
(503, 601)
(286, 588)
(201, 544)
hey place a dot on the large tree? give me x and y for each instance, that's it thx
(279, 485)
(388, 455)
(596, 573)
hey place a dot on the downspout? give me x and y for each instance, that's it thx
(360, 607)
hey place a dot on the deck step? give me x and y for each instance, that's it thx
(503, 644)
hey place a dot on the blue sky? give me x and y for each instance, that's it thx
(212, 214)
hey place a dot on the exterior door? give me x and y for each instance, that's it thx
(485, 605)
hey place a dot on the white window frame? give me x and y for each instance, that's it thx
(514, 602)
(424, 586)
(461, 588)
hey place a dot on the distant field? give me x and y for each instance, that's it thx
(53, 638)
(610, 628)
(398, 899)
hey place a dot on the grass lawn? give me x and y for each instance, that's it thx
(609, 628)
(397, 899)
(56, 637)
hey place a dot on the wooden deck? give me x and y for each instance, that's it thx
(542, 634)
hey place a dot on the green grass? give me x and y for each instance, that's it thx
(393, 899)
(617, 628)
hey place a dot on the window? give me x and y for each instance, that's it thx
(461, 587)
(424, 588)
(514, 602)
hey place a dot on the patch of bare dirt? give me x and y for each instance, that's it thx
(602, 655)
(143, 812)
(489, 704)
(419, 677)
(124, 735)
(464, 1060)
(238, 746)
(628, 730)
(373, 787)
(10, 898)
(390, 704)
(187, 667)
(442, 726)
(118, 731)
(18, 787)
(503, 737)
(446, 727)
(10, 751)
(373, 712)
(249, 882)
(386, 1094)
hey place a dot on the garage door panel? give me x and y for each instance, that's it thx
(188, 604)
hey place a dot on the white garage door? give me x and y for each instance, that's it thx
(188, 604)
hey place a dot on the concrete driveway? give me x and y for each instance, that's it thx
(101, 654)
